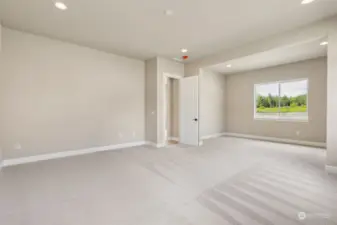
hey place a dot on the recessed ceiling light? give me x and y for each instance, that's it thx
(61, 5)
(304, 2)
(168, 12)
(324, 43)
(184, 50)
(229, 66)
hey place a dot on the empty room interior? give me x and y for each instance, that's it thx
(168, 112)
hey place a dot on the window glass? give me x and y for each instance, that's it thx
(282, 100)
(294, 96)
(267, 99)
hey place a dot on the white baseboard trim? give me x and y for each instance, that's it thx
(279, 140)
(331, 169)
(151, 144)
(57, 155)
(155, 144)
(173, 139)
(161, 145)
(212, 136)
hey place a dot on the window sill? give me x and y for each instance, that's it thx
(282, 119)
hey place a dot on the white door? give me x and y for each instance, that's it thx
(189, 111)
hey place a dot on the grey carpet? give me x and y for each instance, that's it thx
(226, 181)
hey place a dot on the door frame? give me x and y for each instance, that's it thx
(166, 77)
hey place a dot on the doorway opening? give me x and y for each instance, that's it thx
(172, 111)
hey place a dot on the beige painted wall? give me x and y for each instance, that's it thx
(332, 100)
(151, 100)
(240, 102)
(56, 96)
(212, 103)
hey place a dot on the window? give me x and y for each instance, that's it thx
(285, 100)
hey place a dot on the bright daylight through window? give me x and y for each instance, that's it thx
(286, 100)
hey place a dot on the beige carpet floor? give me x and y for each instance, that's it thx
(226, 181)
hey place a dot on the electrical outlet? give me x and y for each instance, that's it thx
(134, 134)
(298, 133)
(17, 146)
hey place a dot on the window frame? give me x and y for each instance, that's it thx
(281, 118)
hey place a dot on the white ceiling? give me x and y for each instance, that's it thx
(139, 28)
(274, 57)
